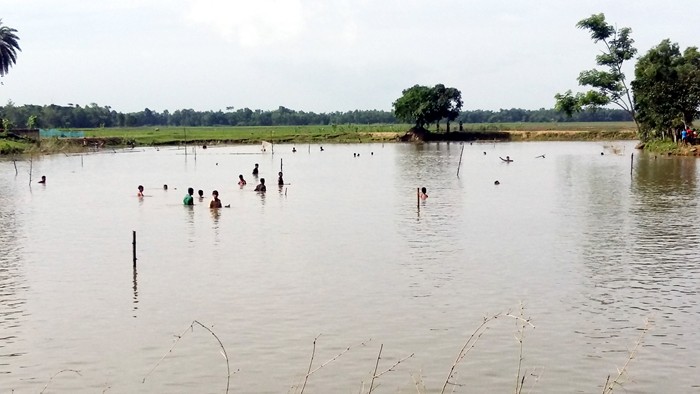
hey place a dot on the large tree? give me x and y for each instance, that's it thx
(9, 46)
(609, 86)
(423, 105)
(667, 89)
(448, 102)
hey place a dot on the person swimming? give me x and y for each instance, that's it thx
(200, 193)
(507, 159)
(140, 193)
(241, 181)
(255, 170)
(43, 179)
(423, 193)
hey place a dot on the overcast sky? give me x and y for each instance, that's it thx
(314, 55)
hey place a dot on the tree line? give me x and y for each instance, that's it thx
(95, 116)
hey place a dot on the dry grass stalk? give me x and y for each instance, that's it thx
(311, 372)
(610, 385)
(474, 338)
(395, 365)
(56, 374)
(376, 365)
(191, 328)
(418, 382)
(308, 371)
(468, 345)
(520, 324)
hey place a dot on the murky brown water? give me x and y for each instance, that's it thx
(341, 251)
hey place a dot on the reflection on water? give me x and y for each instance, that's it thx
(13, 287)
(344, 251)
(135, 287)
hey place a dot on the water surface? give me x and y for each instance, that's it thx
(345, 251)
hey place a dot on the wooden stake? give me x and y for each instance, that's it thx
(631, 163)
(460, 160)
(281, 165)
(31, 166)
(133, 243)
(418, 198)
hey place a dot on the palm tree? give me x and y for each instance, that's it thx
(8, 48)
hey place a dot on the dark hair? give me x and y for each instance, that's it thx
(215, 193)
(200, 192)
(424, 190)
(140, 187)
(190, 190)
(262, 180)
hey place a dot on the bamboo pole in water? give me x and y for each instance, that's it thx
(31, 165)
(460, 160)
(631, 163)
(418, 198)
(133, 246)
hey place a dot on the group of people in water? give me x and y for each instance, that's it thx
(215, 202)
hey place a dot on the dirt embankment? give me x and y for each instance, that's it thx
(424, 135)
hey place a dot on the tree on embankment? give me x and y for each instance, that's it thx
(609, 86)
(423, 105)
(666, 89)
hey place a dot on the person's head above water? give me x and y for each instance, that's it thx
(262, 181)
(165, 187)
(423, 190)
(215, 193)
(280, 173)
(240, 176)
(140, 188)
(200, 192)
(256, 165)
(190, 191)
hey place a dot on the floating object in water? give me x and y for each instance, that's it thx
(497, 182)
(540, 156)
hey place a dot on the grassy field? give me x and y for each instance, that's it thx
(353, 133)
(117, 136)
(243, 134)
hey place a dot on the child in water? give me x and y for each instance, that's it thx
(215, 202)
(423, 194)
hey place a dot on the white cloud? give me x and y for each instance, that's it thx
(251, 23)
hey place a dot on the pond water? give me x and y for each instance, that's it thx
(344, 253)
